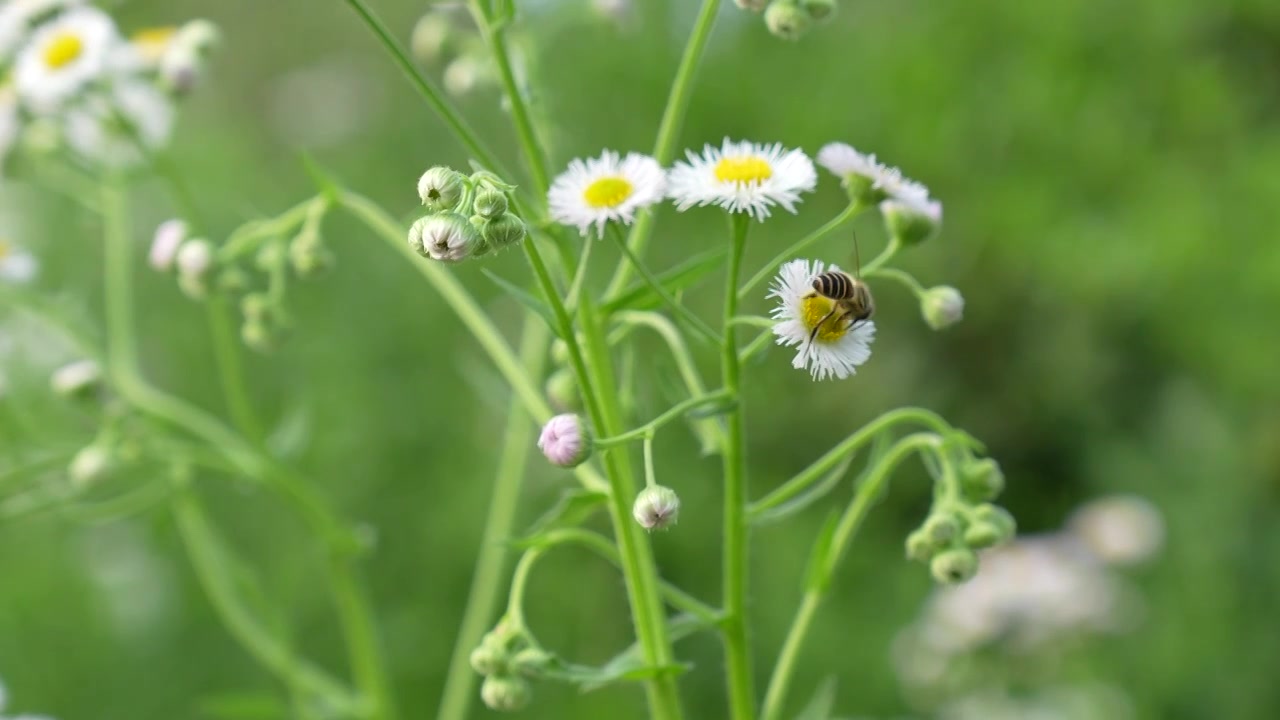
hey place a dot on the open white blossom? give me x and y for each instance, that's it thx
(838, 347)
(742, 177)
(95, 128)
(64, 56)
(847, 163)
(594, 191)
(17, 18)
(16, 265)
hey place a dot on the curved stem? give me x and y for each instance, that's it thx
(850, 521)
(226, 353)
(884, 257)
(669, 130)
(678, 410)
(734, 627)
(690, 319)
(900, 276)
(849, 213)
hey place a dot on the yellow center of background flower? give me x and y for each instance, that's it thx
(152, 42)
(62, 50)
(813, 309)
(608, 192)
(5, 249)
(743, 170)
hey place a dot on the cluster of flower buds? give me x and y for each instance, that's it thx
(467, 217)
(507, 660)
(791, 19)
(961, 523)
(82, 382)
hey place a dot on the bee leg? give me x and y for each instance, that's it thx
(818, 326)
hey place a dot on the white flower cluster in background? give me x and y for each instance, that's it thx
(74, 82)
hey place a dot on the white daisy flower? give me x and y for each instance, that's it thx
(855, 168)
(837, 348)
(64, 56)
(16, 265)
(597, 190)
(17, 17)
(742, 177)
(94, 128)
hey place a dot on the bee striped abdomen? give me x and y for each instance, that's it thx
(834, 284)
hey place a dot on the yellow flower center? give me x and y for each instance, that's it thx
(743, 170)
(608, 192)
(5, 249)
(62, 50)
(814, 309)
(152, 42)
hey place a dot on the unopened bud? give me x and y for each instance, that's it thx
(981, 479)
(168, 237)
(954, 566)
(233, 280)
(490, 204)
(941, 528)
(920, 547)
(257, 336)
(786, 19)
(751, 5)
(819, 10)
(997, 516)
(308, 255)
(981, 535)
(562, 391)
(912, 221)
(88, 466)
(502, 692)
(565, 441)
(429, 37)
(656, 508)
(489, 659)
(255, 306)
(531, 662)
(79, 380)
(195, 261)
(441, 188)
(942, 306)
(504, 231)
(447, 237)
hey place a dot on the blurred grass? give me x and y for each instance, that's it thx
(1109, 174)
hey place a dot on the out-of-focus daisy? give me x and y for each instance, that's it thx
(596, 190)
(838, 347)
(10, 120)
(17, 17)
(742, 177)
(862, 174)
(912, 218)
(115, 128)
(16, 265)
(64, 56)
(1120, 530)
(148, 46)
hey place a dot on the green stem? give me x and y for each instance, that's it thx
(676, 411)
(669, 130)
(900, 276)
(361, 636)
(692, 320)
(486, 583)
(849, 213)
(868, 492)
(734, 627)
(226, 353)
(884, 257)
(820, 467)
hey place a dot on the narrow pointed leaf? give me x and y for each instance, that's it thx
(680, 277)
(524, 298)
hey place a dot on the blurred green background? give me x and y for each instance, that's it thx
(1110, 175)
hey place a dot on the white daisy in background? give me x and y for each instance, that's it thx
(837, 348)
(10, 120)
(861, 172)
(742, 177)
(17, 17)
(597, 190)
(97, 128)
(16, 265)
(64, 56)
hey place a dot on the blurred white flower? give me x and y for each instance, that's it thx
(742, 177)
(852, 166)
(96, 129)
(136, 582)
(17, 17)
(839, 347)
(1120, 530)
(10, 120)
(594, 191)
(63, 57)
(169, 235)
(16, 265)
(1065, 702)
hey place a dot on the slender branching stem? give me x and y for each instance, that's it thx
(849, 213)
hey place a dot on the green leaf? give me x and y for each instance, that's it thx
(526, 299)
(721, 406)
(823, 702)
(684, 275)
(818, 576)
(573, 507)
(815, 493)
(628, 665)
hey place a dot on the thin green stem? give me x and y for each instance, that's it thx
(734, 627)
(868, 492)
(650, 473)
(820, 467)
(226, 354)
(900, 276)
(669, 130)
(486, 582)
(849, 213)
(678, 410)
(690, 319)
(520, 581)
(887, 254)
(756, 346)
(361, 635)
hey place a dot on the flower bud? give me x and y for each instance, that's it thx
(255, 306)
(912, 221)
(954, 566)
(490, 204)
(751, 5)
(997, 516)
(981, 479)
(820, 10)
(941, 528)
(168, 237)
(441, 188)
(656, 508)
(447, 237)
(429, 37)
(786, 19)
(919, 547)
(489, 658)
(565, 441)
(88, 466)
(464, 74)
(501, 692)
(532, 662)
(981, 535)
(233, 280)
(308, 255)
(78, 380)
(942, 307)
(562, 391)
(195, 260)
(256, 335)
(504, 231)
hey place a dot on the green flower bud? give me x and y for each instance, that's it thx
(560, 352)
(919, 547)
(912, 221)
(532, 662)
(269, 256)
(1002, 519)
(195, 262)
(942, 307)
(501, 692)
(308, 255)
(562, 391)
(751, 5)
(787, 20)
(954, 566)
(819, 10)
(255, 306)
(981, 479)
(232, 280)
(656, 508)
(447, 237)
(89, 465)
(490, 204)
(429, 37)
(441, 188)
(489, 659)
(941, 528)
(981, 535)
(504, 231)
(79, 380)
(257, 336)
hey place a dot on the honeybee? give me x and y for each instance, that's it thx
(852, 300)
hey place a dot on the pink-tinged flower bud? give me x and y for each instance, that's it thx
(164, 245)
(565, 441)
(656, 508)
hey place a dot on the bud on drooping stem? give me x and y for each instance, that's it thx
(912, 220)
(942, 307)
(656, 508)
(565, 441)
